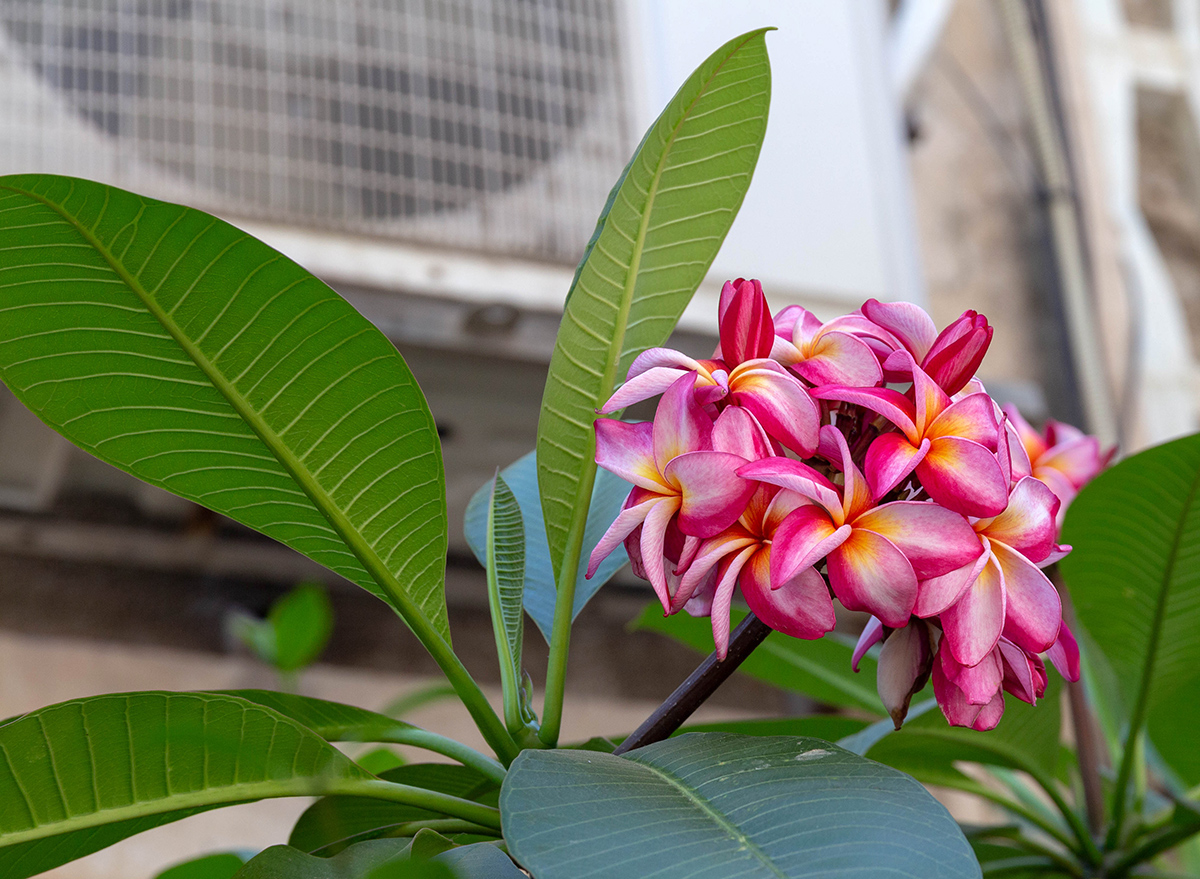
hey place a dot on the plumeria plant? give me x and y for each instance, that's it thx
(857, 461)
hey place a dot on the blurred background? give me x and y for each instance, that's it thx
(441, 164)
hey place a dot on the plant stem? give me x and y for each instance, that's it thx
(408, 795)
(438, 744)
(1086, 748)
(564, 614)
(700, 684)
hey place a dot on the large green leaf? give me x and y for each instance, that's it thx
(375, 859)
(81, 775)
(817, 669)
(711, 806)
(608, 495)
(179, 348)
(1134, 576)
(218, 866)
(655, 239)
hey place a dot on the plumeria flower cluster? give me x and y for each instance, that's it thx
(860, 460)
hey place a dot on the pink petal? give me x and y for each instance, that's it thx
(892, 405)
(972, 625)
(800, 607)
(841, 359)
(700, 604)
(747, 331)
(907, 322)
(989, 716)
(1064, 654)
(668, 358)
(1079, 460)
(806, 536)
(648, 384)
(737, 431)
(963, 476)
(936, 594)
(714, 496)
(957, 352)
(930, 401)
(654, 531)
(856, 495)
(1032, 441)
(1028, 522)
(890, 458)
(935, 540)
(796, 477)
(628, 451)
(872, 634)
(710, 553)
(1019, 676)
(628, 519)
(727, 575)
(782, 505)
(978, 682)
(680, 425)
(867, 572)
(780, 403)
(904, 666)
(972, 418)
(1033, 612)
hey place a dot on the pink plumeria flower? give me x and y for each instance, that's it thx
(677, 476)
(973, 696)
(1002, 592)
(874, 555)
(950, 358)
(745, 376)
(950, 445)
(1065, 458)
(823, 354)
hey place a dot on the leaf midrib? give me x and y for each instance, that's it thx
(299, 473)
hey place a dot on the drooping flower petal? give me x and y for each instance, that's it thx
(712, 492)
(727, 577)
(806, 536)
(955, 707)
(1033, 610)
(904, 666)
(629, 518)
(867, 572)
(935, 540)
(871, 635)
(936, 594)
(628, 451)
(800, 607)
(890, 458)
(978, 682)
(1064, 654)
(680, 425)
(710, 553)
(1020, 677)
(963, 476)
(973, 624)
(653, 539)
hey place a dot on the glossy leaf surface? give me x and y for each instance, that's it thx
(81, 775)
(711, 806)
(179, 348)
(664, 223)
(1134, 576)
(608, 495)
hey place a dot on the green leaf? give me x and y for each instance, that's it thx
(177, 347)
(219, 866)
(656, 237)
(608, 495)
(480, 861)
(81, 775)
(302, 622)
(331, 824)
(375, 859)
(506, 583)
(829, 727)
(1134, 575)
(817, 669)
(713, 805)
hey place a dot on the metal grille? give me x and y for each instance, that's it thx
(492, 125)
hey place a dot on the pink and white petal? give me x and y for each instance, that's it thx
(929, 400)
(797, 477)
(973, 624)
(800, 607)
(909, 323)
(856, 494)
(714, 496)
(643, 386)
(700, 604)
(871, 635)
(1078, 460)
(804, 538)
(627, 520)
(666, 358)
(978, 682)
(1064, 654)
(1018, 672)
(782, 504)
(1028, 522)
(933, 539)
(680, 425)
(963, 476)
(727, 576)
(780, 403)
(892, 405)
(904, 666)
(841, 359)
(652, 541)
(628, 451)
(786, 319)
(868, 573)
(738, 432)
(746, 328)
(1060, 552)
(709, 555)
(935, 594)
(1033, 612)
(1033, 442)
(972, 418)
(890, 458)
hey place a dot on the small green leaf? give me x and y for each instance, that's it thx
(1134, 575)
(714, 805)
(608, 495)
(654, 242)
(817, 669)
(506, 585)
(175, 346)
(79, 776)
(219, 866)
(302, 622)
